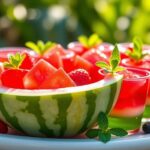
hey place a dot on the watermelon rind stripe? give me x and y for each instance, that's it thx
(115, 90)
(34, 101)
(112, 96)
(62, 116)
(77, 112)
(49, 109)
(11, 119)
(91, 98)
(101, 102)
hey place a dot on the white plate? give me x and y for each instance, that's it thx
(17, 142)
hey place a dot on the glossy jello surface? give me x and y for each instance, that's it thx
(131, 102)
(144, 65)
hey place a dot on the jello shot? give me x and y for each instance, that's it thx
(128, 110)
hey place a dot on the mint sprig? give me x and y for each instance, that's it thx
(113, 65)
(91, 41)
(14, 61)
(40, 47)
(137, 52)
(104, 133)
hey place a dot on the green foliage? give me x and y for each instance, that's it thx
(114, 21)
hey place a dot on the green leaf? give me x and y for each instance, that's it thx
(104, 136)
(92, 133)
(102, 121)
(119, 68)
(137, 52)
(33, 46)
(115, 58)
(49, 45)
(40, 47)
(14, 61)
(7, 65)
(114, 64)
(89, 42)
(118, 132)
(94, 40)
(103, 65)
(137, 44)
(83, 40)
(115, 54)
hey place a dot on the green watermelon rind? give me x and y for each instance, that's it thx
(60, 112)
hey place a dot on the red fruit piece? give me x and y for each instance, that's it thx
(77, 48)
(81, 63)
(95, 75)
(27, 62)
(54, 59)
(13, 78)
(39, 73)
(60, 79)
(1, 67)
(94, 55)
(3, 127)
(68, 60)
(80, 76)
(56, 48)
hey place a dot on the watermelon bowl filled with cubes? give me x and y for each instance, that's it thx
(53, 91)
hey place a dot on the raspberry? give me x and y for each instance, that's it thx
(80, 77)
(3, 127)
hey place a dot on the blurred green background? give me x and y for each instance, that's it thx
(64, 20)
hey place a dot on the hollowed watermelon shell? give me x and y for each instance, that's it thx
(60, 112)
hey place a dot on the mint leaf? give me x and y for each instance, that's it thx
(89, 42)
(40, 47)
(94, 40)
(92, 133)
(118, 131)
(103, 65)
(119, 68)
(115, 58)
(49, 45)
(102, 121)
(83, 40)
(33, 46)
(137, 52)
(114, 62)
(7, 65)
(137, 44)
(104, 136)
(14, 61)
(104, 132)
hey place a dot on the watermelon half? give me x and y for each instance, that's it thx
(61, 112)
